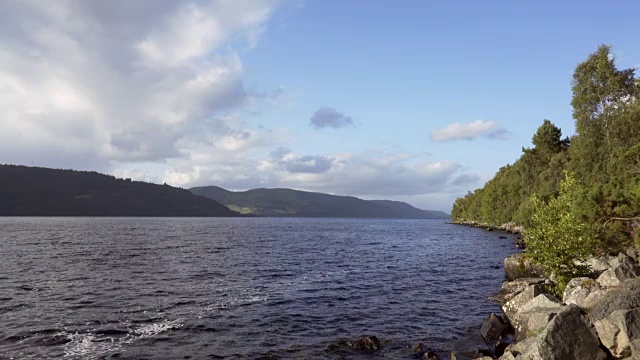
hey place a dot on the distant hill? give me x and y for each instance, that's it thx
(33, 191)
(288, 202)
(409, 212)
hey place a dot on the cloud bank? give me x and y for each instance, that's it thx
(98, 84)
(368, 173)
(329, 117)
(469, 131)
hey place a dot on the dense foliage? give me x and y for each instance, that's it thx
(557, 237)
(603, 155)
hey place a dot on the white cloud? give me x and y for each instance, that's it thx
(469, 131)
(99, 84)
(372, 173)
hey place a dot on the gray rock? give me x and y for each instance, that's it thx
(578, 288)
(511, 307)
(622, 268)
(584, 292)
(628, 267)
(518, 285)
(618, 329)
(625, 297)
(566, 337)
(635, 349)
(518, 348)
(531, 353)
(496, 333)
(632, 252)
(517, 267)
(507, 356)
(493, 327)
(598, 264)
(534, 316)
(620, 259)
(608, 279)
(366, 344)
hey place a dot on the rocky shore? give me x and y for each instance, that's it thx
(511, 228)
(597, 318)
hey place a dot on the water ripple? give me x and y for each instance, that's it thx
(131, 288)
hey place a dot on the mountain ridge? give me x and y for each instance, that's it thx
(38, 191)
(283, 202)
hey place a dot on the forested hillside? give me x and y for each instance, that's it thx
(603, 157)
(289, 202)
(34, 191)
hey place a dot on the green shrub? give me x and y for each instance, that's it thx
(557, 238)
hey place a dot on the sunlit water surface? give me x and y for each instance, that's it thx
(135, 288)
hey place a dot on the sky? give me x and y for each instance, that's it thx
(413, 100)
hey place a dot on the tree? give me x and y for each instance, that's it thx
(557, 238)
(598, 87)
(600, 91)
(547, 138)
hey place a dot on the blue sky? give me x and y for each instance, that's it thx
(418, 101)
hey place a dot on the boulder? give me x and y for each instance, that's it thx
(507, 356)
(566, 337)
(534, 316)
(618, 330)
(511, 307)
(518, 285)
(512, 288)
(597, 265)
(493, 327)
(608, 279)
(518, 348)
(584, 292)
(496, 333)
(365, 344)
(632, 252)
(370, 343)
(516, 266)
(621, 258)
(625, 297)
(622, 267)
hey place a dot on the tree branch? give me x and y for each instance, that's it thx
(621, 219)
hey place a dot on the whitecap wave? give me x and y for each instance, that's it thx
(150, 330)
(89, 345)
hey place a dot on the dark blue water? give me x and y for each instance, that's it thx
(134, 288)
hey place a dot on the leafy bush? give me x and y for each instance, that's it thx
(557, 238)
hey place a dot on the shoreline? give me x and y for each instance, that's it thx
(595, 318)
(510, 228)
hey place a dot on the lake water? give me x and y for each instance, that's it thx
(136, 288)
